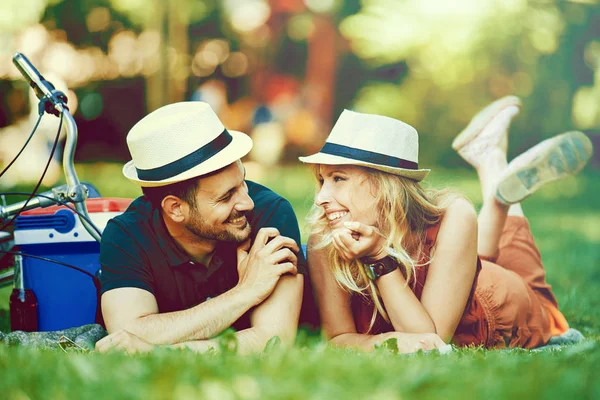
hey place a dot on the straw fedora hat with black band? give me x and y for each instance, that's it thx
(181, 141)
(372, 141)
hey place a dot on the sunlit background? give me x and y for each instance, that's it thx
(283, 70)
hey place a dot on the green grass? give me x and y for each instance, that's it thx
(565, 218)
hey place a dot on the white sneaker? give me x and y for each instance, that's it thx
(550, 160)
(487, 130)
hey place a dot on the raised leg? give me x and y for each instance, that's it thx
(483, 144)
(556, 158)
(493, 213)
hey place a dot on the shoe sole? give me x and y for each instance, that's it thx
(483, 118)
(567, 155)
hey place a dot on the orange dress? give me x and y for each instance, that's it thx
(510, 305)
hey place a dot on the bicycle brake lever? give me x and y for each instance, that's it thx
(54, 100)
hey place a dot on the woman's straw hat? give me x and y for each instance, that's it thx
(180, 141)
(372, 141)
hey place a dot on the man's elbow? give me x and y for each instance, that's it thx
(135, 325)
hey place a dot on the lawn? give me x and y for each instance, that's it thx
(565, 219)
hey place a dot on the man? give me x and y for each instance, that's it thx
(203, 249)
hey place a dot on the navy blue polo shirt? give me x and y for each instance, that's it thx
(137, 251)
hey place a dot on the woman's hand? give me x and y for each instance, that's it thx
(358, 240)
(412, 342)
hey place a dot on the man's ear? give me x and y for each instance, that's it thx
(174, 208)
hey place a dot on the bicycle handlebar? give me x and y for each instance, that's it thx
(43, 89)
(56, 104)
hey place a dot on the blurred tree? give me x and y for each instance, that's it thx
(82, 22)
(462, 55)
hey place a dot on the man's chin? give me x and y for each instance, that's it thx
(242, 234)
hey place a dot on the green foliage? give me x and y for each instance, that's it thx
(390, 345)
(463, 54)
(300, 373)
(228, 342)
(273, 345)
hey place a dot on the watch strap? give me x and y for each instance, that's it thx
(378, 268)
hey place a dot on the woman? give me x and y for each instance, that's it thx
(388, 256)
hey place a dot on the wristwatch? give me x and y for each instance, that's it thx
(378, 268)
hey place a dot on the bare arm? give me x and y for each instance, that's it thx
(406, 342)
(449, 279)
(136, 311)
(336, 314)
(276, 316)
(452, 270)
(405, 311)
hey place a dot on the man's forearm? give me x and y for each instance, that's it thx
(201, 322)
(252, 340)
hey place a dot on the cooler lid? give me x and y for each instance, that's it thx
(95, 205)
(59, 224)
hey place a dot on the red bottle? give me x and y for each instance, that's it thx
(23, 303)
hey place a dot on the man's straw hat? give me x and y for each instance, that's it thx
(181, 141)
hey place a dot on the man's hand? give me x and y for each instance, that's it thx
(125, 341)
(260, 268)
(358, 240)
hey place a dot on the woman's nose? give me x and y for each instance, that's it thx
(322, 197)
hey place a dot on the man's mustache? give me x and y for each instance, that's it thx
(236, 215)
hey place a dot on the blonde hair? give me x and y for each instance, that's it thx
(406, 210)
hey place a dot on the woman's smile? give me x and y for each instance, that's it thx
(336, 217)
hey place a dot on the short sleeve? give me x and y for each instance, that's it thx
(122, 260)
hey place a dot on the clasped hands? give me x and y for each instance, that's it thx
(356, 240)
(260, 266)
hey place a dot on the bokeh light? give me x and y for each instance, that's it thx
(247, 15)
(300, 27)
(306, 60)
(98, 19)
(91, 105)
(322, 6)
(236, 65)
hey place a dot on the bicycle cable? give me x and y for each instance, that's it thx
(24, 146)
(42, 177)
(62, 203)
(18, 253)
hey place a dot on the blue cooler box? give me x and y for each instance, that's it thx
(66, 297)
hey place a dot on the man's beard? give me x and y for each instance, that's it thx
(205, 231)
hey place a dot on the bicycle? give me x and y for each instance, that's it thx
(74, 192)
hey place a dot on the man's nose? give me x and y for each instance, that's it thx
(245, 203)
